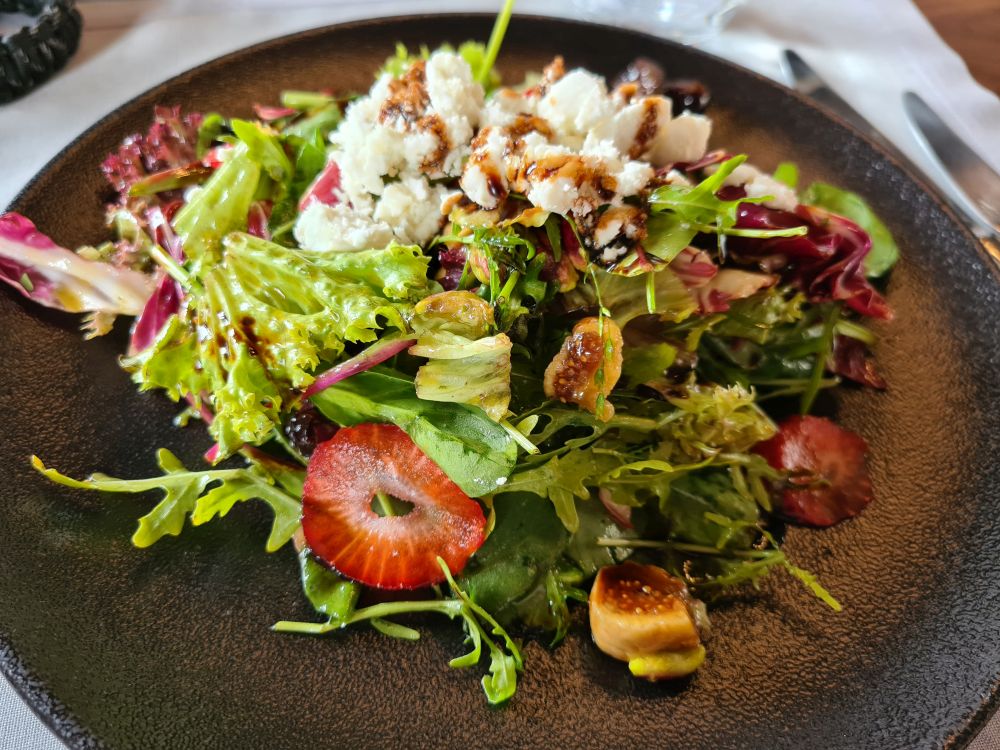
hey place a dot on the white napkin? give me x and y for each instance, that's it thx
(870, 52)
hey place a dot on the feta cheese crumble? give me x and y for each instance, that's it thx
(567, 144)
(391, 144)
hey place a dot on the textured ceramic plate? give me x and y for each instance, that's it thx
(169, 647)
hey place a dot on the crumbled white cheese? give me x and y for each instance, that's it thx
(676, 177)
(613, 253)
(338, 229)
(389, 146)
(454, 95)
(633, 177)
(685, 139)
(559, 195)
(639, 126)
(574, 105)
(487, 168)
(607, 229)
(758, 184)
(505, 105)
(412, 207)
(566, 143)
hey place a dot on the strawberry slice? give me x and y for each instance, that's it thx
(829, 480)
(390, 552)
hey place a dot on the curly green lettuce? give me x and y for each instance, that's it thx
(264, 319)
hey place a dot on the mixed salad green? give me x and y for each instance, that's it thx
(497, 412)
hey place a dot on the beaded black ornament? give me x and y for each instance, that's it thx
(30, 56)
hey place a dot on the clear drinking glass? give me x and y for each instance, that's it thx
(685, 21)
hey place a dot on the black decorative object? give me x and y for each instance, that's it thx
(30, 56)
(169, 647)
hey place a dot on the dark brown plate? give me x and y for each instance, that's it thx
(169, 647)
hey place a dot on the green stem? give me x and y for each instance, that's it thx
(735, 232)
(519, 437)
(387, 505)
(636, 423)
(825, 348)
(694, 549)
(855, 331)
(171, 266)
(496, 39)
(449, 607)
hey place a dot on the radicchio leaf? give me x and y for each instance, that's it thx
(257, 218)
(851, 359)
(827, 263)
(163, 303)
(56, 277)
(324, 189)
(694, 267)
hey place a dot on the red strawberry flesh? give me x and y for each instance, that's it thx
(390, 552)
(828, 477)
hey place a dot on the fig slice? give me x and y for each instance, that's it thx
(643, 615)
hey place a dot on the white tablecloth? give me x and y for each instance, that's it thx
(869, 51)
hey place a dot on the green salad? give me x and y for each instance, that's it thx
(533, 351)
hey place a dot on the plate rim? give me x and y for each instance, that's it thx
(45, 705)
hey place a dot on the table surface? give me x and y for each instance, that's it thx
(970, 27)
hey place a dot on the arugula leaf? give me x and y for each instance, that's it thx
(202, 495)
(884, 252)
(787, 173)
(563, 479)
(473, 450)
(757, 317)
(546, 606)
(667, 234)
(505, 657)
(693, 500)
(688, 211)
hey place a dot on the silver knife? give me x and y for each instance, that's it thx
(979, 182)
(807, 81)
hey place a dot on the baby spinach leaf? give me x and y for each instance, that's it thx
(329, 594)
(473, 450)
(526, 542)
(884, 252)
